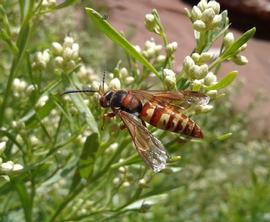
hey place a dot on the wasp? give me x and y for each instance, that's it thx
(161, 109)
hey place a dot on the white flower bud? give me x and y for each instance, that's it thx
(31, 88)
(46, 56)
(199, 25)
(57, 48)
(210, 79)
(161, 58)
(196, 13)
(75, 48)
(68, 41)
(59, 61)
(71, 64)
(171, 47)
(194, 72)
(170, 78)
(42, 101)
(204, 70)
(129, 79)
(149, 44)
(196, 85)
(2, 146)
(116, 180)
(228, 39)
(188, 64)
(149, 18)
(150, 23)
(7, 166)
(240, 60)
(149, 53)
(126, 184)
(68, 53)
(196, 57)
(34, 140)
(216, 20)
(123, 72)
(202, 5)
(157, 49)
(115, 84)
(214, 5)
(208, 15)
(17, 167)
(206, 57)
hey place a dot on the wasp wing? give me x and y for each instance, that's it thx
(149, 147)
(181, 99)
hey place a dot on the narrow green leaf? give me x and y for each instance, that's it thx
(237, 44)
(25, 199)
(87, 159)
(40, 113)
(65, 4)
(227, 80)
(115, 36)
(84, 110)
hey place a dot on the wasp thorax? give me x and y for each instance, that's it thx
(105, 100)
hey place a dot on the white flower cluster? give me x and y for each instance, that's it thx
(195, 66)
(151, 23)
(21, 87)
(151, 49)
(87, 75)
(171, 47)
(8, 166)
(237, 59)
(41, 59)
(196, 70)
(205, 16)
(169, 78)
(66, 55)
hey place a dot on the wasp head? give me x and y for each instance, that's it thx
(105, 100)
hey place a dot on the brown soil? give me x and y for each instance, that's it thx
(126, 15)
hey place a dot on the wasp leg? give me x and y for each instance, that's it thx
(107, 115)
(144, 124)
(122, 127)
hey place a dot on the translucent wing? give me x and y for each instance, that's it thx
(149, 148)
(181, 99)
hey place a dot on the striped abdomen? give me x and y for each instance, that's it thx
(167, 119)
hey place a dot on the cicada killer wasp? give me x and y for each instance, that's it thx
(161, 109)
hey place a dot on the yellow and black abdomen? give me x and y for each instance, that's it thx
(165, 118)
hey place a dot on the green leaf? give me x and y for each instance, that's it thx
(232, 50)
(84, 110)
(25, 199)
(88, 156)
(40, 113)
(65, 4)
(227, 80)
(115, 36)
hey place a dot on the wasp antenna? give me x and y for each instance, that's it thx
(103, 81)
(78, 91)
